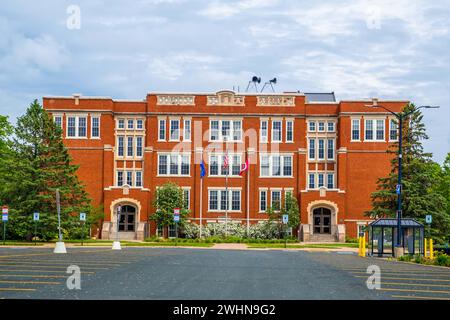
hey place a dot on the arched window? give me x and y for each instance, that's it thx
(322, 220)
(127, 218)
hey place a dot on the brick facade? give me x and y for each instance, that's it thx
(345, 170)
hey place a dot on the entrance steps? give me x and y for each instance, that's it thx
(322, 238)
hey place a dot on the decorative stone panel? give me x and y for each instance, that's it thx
(175, 100)
(276, 100)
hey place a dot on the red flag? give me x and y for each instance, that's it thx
(225, 161)
(244, 167)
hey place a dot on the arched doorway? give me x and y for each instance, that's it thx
(127, 219)
(322, 221)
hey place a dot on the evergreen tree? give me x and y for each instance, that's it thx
(418, 180)
(40, 165)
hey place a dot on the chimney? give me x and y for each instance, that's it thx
(77, 96)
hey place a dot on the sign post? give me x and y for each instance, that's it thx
(5, 211)
(176, 219)
(82, 219)
(285, 221)
(36, 220)
(60, 246)
(428, 220)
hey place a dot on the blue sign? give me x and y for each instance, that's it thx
(36, 216)
(285, 218)
(398, 189)
(82, 216)
(4, 217)
(428, 218)
(176, 218)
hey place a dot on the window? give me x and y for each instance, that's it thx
(330, 181)
(71, 126)
(130, 124)
(139, 124)
(138, 178)
(226, 129)
(187, 130)
(321, 126)
(312, 149)
(355, 130)
(369, 130)
(130, 178)
(217, 168)
(393, 130)
(276, 131)
(237, 132)
(275, 166)
(186, 198)
(320, 180)
(380, 130)
(138, 146)
(276, 199)
(121, 124)
(289, 131)
(312, 126)
(321, 149)
(330, 126)
(214, 130)
(173, 164)
(82, 130)
(262, 200)
(58, 121)
(162, 130)
(172, 231)
(119, 178)
(120, 146)
(230, 201)
(95, 127)
(129, 146)
(330, 149)
(312, 182)
(174, 130)
(263, 131)
(213, 200)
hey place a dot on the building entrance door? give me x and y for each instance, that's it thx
(322, 221)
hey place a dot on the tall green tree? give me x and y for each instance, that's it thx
(39, 165)
(418, 180)
(168, 197)
(5, 149)
(289, 207)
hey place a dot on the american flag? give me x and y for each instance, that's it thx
(225, 161)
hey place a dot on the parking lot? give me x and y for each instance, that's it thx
(181, 273)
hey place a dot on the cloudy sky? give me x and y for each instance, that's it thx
(124, 49)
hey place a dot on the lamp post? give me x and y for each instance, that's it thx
(116, 244)
(400, 117)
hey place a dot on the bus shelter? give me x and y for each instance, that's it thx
(383, 235)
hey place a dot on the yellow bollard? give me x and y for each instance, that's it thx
(431, 249)
(425, 248)
(363, 246)
(359, 246)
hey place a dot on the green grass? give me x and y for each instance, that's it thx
(303, 246)
(21, 243)
(151, 244)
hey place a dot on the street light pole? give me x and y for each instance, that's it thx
(400, 117)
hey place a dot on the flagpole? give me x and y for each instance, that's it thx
(248, 197)
(201, 205)
(226, 193)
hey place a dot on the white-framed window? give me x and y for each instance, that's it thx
(330, 181)
(219, 200)
(139, 124)
(186, 198)
(129, 178)
(174, 130)
(330, 149)
(380, 129)
(312, 149)
(320, 182)
(119, 178)
(312, 126)
(95, 127)
(216, 165)
(277, 127)
(393, 130)
(262, 200)
(121, 123)
(187, 130)
(275, 165)
(275, 199)
(173, 164)
(138, 178)
(139, 146)
(225, 130)
(321, 149)
(263, 131)
(120, 146)
(58, 121)
(311, 181)
(76, 127)
(172, 231)
(161, 130)
(130, 124)
(321, 126)
(374, 130)
(289, 131)
(130, 146)
(355, 130)
(331, 126)
(368, 130)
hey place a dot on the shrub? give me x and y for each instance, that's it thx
(442, 260)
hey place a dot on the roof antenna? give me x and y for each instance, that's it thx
(254, 80)
(271, 83)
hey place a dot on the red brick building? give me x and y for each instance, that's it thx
(328, 154)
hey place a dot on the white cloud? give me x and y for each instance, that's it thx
(220, 10)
